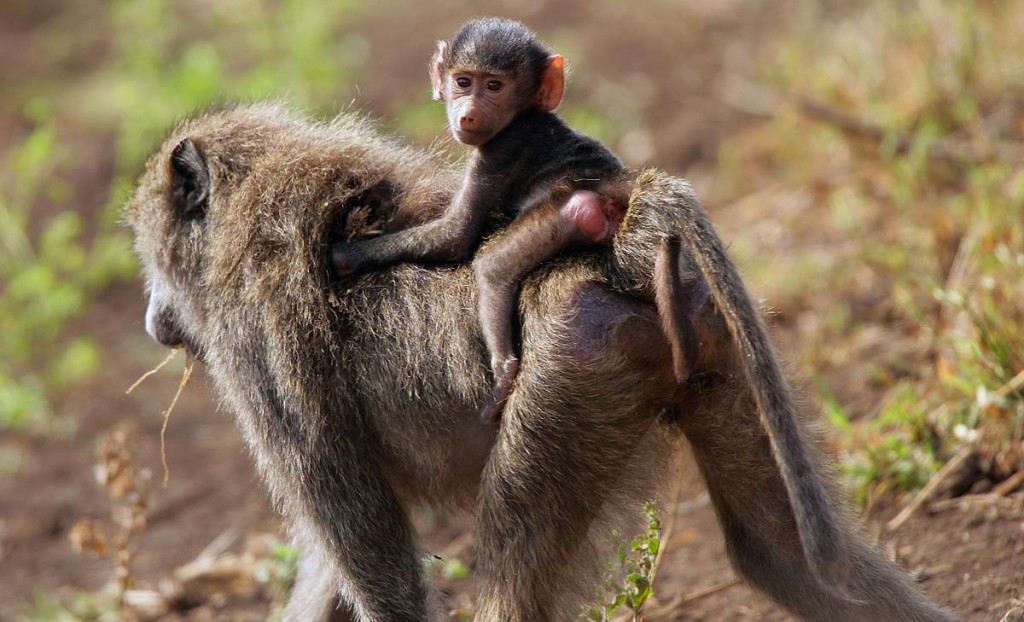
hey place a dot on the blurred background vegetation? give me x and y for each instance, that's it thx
(863, 158)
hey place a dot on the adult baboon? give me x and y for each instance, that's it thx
(359, 400)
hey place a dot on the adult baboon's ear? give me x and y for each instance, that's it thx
(191, 179)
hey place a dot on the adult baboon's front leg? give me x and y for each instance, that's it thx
(352, 527)
(578, 437)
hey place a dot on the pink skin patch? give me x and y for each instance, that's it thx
(594, 215)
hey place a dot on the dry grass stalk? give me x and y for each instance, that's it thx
(151, 372)
(673, 607)
(128, 489)
(185, 375)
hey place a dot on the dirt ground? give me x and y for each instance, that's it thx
(967, 556)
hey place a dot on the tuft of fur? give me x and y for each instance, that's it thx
(498, 46)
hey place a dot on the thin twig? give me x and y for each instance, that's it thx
(189, 364)
(985, 500)
(1015, 383)
(961, 458)
(1009, 485)
(457, 546)
(708, 591)
(681, 601)
(666, 531)
(152, 371)
(219, 545)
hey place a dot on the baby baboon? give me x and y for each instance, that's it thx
(359, 400)
(500, 86)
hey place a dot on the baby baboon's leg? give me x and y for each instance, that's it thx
(536, 236)
(732, 449)
(569, 435)
(499, 269)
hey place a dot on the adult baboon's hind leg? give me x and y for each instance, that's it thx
(717, 412)
(732, 450)
(578, 439)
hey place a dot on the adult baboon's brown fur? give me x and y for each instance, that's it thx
(359, 399)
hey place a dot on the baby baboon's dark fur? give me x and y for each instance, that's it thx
(360, 401)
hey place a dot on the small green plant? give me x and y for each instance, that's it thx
(276, 570)
(899, 449)
(902, 219)
(79, 606)
(47, 279)
(638, 567)
(450, 568)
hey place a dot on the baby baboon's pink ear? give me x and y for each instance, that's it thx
(552, 84)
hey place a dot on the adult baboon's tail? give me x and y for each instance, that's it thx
(670, 203)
